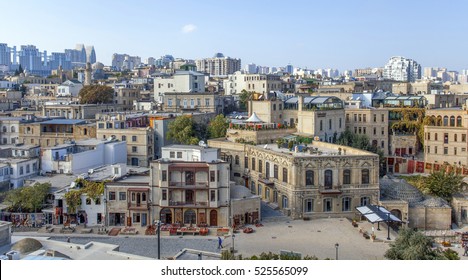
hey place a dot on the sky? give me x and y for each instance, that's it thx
(340, 34)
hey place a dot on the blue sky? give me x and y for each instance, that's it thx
(314, 34)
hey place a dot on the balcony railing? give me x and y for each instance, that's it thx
(189, 203)
(330, 190)
(193, 185)
(137, 206)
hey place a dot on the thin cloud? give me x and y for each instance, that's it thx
(188, 28)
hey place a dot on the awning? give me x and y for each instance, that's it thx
(375, 213)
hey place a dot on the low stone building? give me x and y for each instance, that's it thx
(412, 207)
(245, 206)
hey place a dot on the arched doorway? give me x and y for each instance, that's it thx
(190, 217)
(213, 218)
(396, 213)
(166, 216)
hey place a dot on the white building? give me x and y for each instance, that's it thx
(69, 88)
(20, 169)
(219, 65)
(402, 69)
(83, 155)
(181, 81)
(189, 153)
(260, 83)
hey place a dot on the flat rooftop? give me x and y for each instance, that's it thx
(320, 149)
(64, 121)
(187, 147)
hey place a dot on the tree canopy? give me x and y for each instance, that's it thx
(182, 131)
(92, 189)
(413, 245)
(94, 94)
(443, 184)
(28, 199)
(244, 97)
(218, 127)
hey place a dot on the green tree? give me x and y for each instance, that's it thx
(413, 245)
(182, 131)
(94, 94)
(244, 97)
(28, 199)
(218, 127)
(443, 184)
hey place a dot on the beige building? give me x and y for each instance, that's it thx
(372, 122)
(56, 131)
(139, 137)
(327, 180)
(259, 83)
(210, 102)
(446, 141)
(125, 96)
(71, 110)
(191, 193)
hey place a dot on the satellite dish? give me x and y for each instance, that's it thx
(201, 143)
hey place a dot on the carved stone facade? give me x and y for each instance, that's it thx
(327, 180)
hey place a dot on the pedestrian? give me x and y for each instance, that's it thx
(466, 249)
(220, 242)
(68, 239)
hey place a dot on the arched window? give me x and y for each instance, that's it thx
(328, 179)
(253, 163)
(267, 169)
(309, 178)
(459, 121)
(4, 129)
(236, 160)
(285, 175)
(189, 217)
(365, 200)
(260, 166)
(346, 204)
(365, 176)
(88, 201)
(13, 129)
(446, 121)
(328, 204)
(346, 177)
(452, 121)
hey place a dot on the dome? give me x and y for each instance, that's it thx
(27, 245)
(218, 55)
(399, 189)
(98, 66)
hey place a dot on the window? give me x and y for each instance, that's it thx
(133, 196)
(459, 121)
(179, 154)
(88, 201)
(375, 117)
(435, 150)
(164, 176)
(259, 190)
(446, 138)
(285, 175)
(21, 170)
(328, 178)
(375, 131)
(134, 149)
(455, 151)
(355, 117)
(252, 187)
(134, 138)
(346, 204)
(274, 107)
(97, 201)
(122, 196)
(452, 121)
(236, 160)
(382, 117)
(267, 169)
(383, 131)
(346, 177)
(101, 125)
(111, 195)
(260, 166)
(124, 138)
(455, 138)
(339, 123)
(28, 169)
(360, 118)
(445, 150)
(330, 124)
(172, 154)
(435, 136)
(321, 125)
(34, 166)
(207, 102)
(428, 136)
(347, 117)
(365, 176)
(309, 178)
(212, 176)
(136, 217)
(382, 144)
(246, 162)
(428, 149)
(253, 163)
(164, 194)
(365, 200)
(445, 121)
(364, 118)
(463, 137)
(308, 205)
(285, 201)
(275, 171)
(327, 205)
(212, 195)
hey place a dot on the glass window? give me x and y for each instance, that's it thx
(164, 176)
(212, 176)
(308, 205)
(111, 195)
(164, 194)
(246, 162)
(346, 204)
(328, 178)
(327, 205)
(97, 201)
(88, 201)
(253, 163)
(365, 176)
(309, 178)
(267, 169)
(236, 160)
(346, 177)
(172, 154)
(212, 195)
(285, 175)
(122, 196)
(134, 138)
(179, 154)
(365, 200)
(275, 171)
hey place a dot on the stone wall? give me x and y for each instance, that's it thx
(430, 218)
(5, 233)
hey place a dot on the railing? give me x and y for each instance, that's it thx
(189, 185)
(134, 205)
(188, 203)
(330, 190)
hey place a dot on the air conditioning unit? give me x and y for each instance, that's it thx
(13, 255)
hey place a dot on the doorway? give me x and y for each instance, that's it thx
(213, 218)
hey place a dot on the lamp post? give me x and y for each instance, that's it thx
(388, 225)
(336, 250)
(158, 232)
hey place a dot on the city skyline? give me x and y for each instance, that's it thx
(345, 36)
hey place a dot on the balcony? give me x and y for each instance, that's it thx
(137, 206)
(190, 185)
(330, 190)
(189, 203)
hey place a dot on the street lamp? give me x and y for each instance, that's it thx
(336, 249)
(388, 225)
(158, 224)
